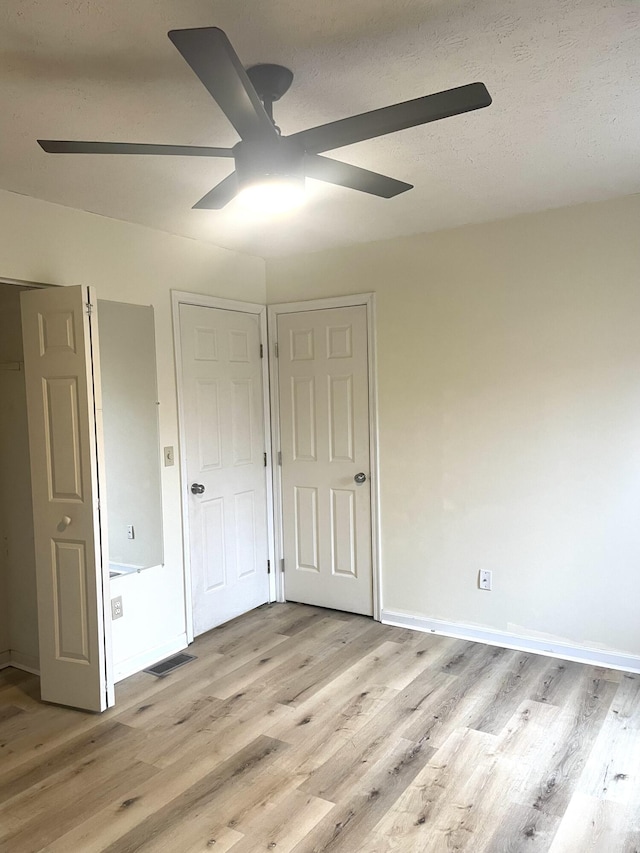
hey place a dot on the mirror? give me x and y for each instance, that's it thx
(131, 437)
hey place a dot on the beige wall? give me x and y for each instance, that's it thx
(509, 390)
(48, 243)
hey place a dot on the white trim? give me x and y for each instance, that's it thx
(369, 302)
(17, 660)
(101, 510)
(28, 663)
(376, 547)
(136, 663)
(321, 304)
(182, 468)
(181, 297)
(201, 300)
(275, 445)
(266, 409)
(580, 654)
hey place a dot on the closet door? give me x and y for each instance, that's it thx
(59, 327)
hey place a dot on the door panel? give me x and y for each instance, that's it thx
(324, 426)
(63, 404)
(224, 443)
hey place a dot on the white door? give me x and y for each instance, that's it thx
(223, 417)
(64, 411)
(324, 431)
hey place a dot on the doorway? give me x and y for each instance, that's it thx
(225, 465)
(56, 595)
(322, 531)
(325, 435)
(18, 602)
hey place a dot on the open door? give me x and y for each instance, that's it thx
(60, 337)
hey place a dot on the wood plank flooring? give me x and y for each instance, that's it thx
(301, 730)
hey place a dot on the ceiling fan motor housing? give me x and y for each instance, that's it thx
(271, 82)
(268, 159)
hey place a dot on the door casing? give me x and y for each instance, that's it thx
(180, 297)
(368, 300)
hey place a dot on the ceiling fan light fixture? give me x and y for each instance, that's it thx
(272, 194)
(270, 174)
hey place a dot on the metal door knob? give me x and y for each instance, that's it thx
(197, 488)
(360, 478)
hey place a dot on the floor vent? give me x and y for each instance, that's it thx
(166, 666)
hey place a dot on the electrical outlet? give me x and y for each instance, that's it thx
(169, 458)
(484, 579)
(131, 534)
(116, 607)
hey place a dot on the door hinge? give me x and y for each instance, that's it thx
(279, 457)
(89, 307)
(275, 348)
(261, 351)
(268, 567)
(265, 459)
(282, 565)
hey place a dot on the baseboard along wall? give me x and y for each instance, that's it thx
(129, 666)
(19, 661)
(579, 654)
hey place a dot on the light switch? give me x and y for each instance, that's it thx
(168, 457)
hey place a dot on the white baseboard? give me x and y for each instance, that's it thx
(134, 664)
(28, 663)
(19, 661)
(580, 654)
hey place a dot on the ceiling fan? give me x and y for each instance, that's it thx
(263, 155)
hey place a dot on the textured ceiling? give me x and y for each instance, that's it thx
(564, 126)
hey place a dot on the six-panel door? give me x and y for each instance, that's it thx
(225, 446)
(63, 398)
(324, 424)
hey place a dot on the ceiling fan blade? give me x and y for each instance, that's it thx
(336, 134)
(346, 175)
(57, 146)
(210, 54)
(220, 195)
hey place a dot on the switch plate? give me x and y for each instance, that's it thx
(484, 579)
(131, 534)
(116, 607)
(169, 458)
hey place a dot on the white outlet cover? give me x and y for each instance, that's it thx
(484, 579)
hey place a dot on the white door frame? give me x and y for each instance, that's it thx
(178, 298)
(369, 301)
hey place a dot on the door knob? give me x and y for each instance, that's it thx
(197, 488)
(360, 478)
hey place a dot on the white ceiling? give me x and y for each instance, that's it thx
(564, 126)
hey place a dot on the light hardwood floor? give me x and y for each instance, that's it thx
(300, 729)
